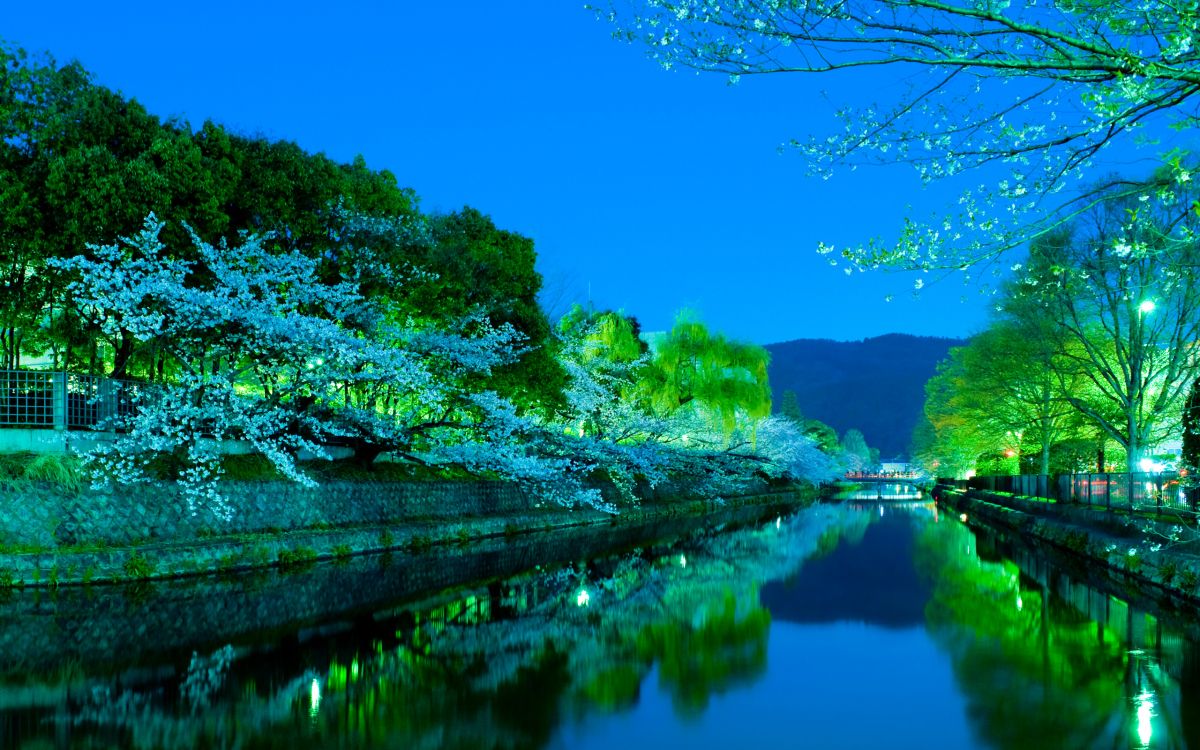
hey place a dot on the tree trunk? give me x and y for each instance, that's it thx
(122, 355)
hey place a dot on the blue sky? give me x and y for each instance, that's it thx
(649, 190)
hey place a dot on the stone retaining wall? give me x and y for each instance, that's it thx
(44, 518)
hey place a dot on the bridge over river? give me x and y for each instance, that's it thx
(886, 485)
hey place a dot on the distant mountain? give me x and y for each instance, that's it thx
(876, 385)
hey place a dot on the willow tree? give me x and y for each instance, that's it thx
(695, 368)
(1026, 93)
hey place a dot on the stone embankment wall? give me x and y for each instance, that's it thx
(47, 517)
(44, 518)
(50, 536)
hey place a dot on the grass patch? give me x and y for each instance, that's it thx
(138, 567)
(296, 558)
(249, 468)
(59, 469)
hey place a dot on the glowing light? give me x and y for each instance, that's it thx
(685, 438)
(881, 511)
(1147, 306)
(1020, 604)
(778, 521)
(1145, 712)
(683, 561)
(582, 599)
(314, 699)
(1150, 465)
(963, 518)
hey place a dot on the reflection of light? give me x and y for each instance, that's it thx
(1020, 604)
(1145, 712)
(881, 511)
(777, 521)
(583, 598)
(683, 561)
(963, 518)
(314, 699)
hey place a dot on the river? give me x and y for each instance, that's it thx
(851, 624)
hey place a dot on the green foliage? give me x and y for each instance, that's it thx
(724, 378)
(80, 163)
(1188, 579)
(1166, 572)
(825, 436)
(57, 469)
(789, 406)
(296, 557)
(138, 567)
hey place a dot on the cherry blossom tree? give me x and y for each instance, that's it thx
(1027, 95)
(266, 353)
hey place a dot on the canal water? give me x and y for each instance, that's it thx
(858, 623)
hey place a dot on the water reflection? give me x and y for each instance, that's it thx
(884, 491)
(1046, 660)
(496, 665)
(792, 624)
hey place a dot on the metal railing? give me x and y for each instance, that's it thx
(62, 400)
(1119, 491)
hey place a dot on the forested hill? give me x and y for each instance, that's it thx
(876, 385)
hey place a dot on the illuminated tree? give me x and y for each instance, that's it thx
(268, 354)
(1122, 290)
(725, 379)
(1005, 379)
(956, 436)
(1028, 94)
(854, 445)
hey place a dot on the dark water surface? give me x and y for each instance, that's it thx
(858, 625)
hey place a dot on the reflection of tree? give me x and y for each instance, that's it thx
(1035, 674)
(501, 666)
(695, 662)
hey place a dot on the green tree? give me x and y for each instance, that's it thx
(724, 378)
(789, 406)
(823, 435)
(855, 444)
(956, 437)
(1123, 293)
